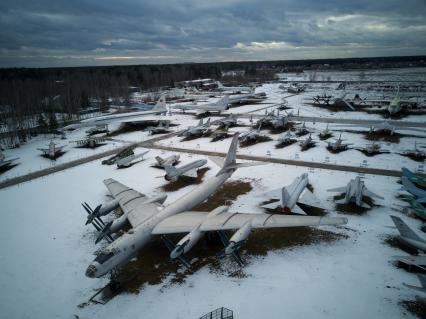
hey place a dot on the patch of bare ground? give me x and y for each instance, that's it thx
(416, 307)
(57, 155)
(6, 168)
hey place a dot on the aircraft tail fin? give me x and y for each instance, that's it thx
(200, 122)
(208, 122)
(230, 163)
(161, 103)
(159, 160)
(404, 229)
(407, 173)
(285, 197)
(222, 104)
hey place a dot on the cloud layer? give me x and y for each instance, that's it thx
(91, 32)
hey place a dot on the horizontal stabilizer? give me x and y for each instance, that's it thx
(297, 210)
(365, 205)
(341, 201)
(308, 198)
(273, 205)
(219, 161)
(191, 173)
(404, 229)
(369, 193)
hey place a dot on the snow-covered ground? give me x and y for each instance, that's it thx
(46, 247)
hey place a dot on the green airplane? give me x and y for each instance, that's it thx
(414, 178)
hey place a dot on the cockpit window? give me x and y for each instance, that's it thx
(103, 257)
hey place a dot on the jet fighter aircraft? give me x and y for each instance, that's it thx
(217, 107)
(408, 236)
(372, 149)
(354, 193)
(52, 151)
(190, 170)
(338, 145)
(198, 130)
(4, 161)
(171, 160)
(130, 160)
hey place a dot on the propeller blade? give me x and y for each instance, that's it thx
(237, 258)
(104, 232)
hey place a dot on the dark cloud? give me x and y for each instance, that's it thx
(50, 33)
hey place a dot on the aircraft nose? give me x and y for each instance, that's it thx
(91, 271)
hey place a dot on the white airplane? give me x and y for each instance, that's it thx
(130, 160)
(130, 117)
(52, 150)
(91, 141)
(227, 122)
(173, 173)
(408, 236)
(171, 160)
(354, 192)
(252, 135)
(325, 134)
(219, 106)
(234, 89)
(385, 126)
(415, 154)
(338, 145)
(198, 130)
(148, 217)
(4, 162)
(307, 143)
(246, 98)
(372, 149)
(159, 129)
(286, 138)
(289, 196)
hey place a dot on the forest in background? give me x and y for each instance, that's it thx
(29, 96)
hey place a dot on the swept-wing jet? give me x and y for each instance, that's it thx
(252, 135)
(407, 235)
(171, 160)
(325, 134)
(338, 145)
(4, 161)
(372, 149)
(289, 196)
(286, 138)
(227, 122)
(307, 143)
(219, 106)
(220, 134)
(159, 108)
(148, 217)
(422, 279)
(130, 160)
(52, 151)
(302, 130)
(419, 193)
(190, 170)
(279, 121)
(159, 129)
(415, 153)
(413, 177)
(354, 192)
(198, 130)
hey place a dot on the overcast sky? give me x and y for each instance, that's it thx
(40, 33)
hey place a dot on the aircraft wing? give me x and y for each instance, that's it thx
(308, 198)
(404, 229)
(8, 161)
(186, 221)
(418, 261)
(191, 173)
(44, 150)
(337, 189)
(133, 204)
(369, 193)
(411, 188)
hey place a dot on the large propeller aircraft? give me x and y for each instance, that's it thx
(149, 217)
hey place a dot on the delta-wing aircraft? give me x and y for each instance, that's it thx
(218, 107)
(130, 117)
(296, 193)
(354, 192)
(148, 217)
(190, 170)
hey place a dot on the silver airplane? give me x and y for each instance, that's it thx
(338, 145)
(234, 89)
(159, 129)
(286, 138)
(302, 130)
(372, 149)
(354, 193)
(419, 193)
(325, 134)
(422, 279)
(279, 121)
(198, 130)
(218, 107)
(100, 128)
(52, 150)
(246, 98)
(173, 173)
(130, 160)
(227, 122)
(407, 235)
(252, 135)
(289, 196)
(148, 217)
(130, 117)
(4, 161)
(307, 143)
(90, 141)
(171, 160)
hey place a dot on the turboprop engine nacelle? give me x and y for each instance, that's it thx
(238, 238)
(189, 240)
(160, 199)
(108, 207)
